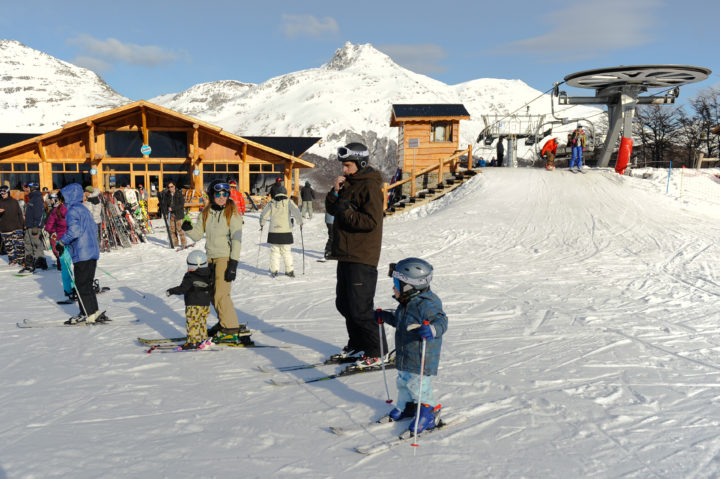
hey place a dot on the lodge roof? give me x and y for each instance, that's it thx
(7, 139)
(292, 145)
(139, 105)
(426, 111)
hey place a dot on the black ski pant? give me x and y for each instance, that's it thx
(328, 244)
(355, 292)
(84, 277)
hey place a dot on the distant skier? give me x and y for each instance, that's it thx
(276, 187)
(356, 201)
(172, 206)
(307, 195)
(11, 227)
(418, 305)
(280, 211)
(577, 141)
(34, 220)
(196, 285)
(81, 239)
(237, 196)
(549, 151)
(500, 151)
(92, 203)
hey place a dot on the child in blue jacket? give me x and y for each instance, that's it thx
(419, 316)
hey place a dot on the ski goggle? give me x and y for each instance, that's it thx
(344, 152)
(224, 193)
(396, 283)
(221, 186)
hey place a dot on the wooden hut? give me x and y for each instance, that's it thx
(143, 143)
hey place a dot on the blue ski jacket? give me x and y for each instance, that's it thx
(81, 235)
(425, 306)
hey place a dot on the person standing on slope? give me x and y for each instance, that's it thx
(356, 202)
(280, 211)
(81, 239)
(237, 197)
(577, 141)
(307, 195)
(34, 219)
(11, 227)
(221, 225)
(549, 151)
(419, 317)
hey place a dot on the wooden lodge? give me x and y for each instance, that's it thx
(143, 143)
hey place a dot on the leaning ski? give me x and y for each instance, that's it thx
(352, 428)
(405, 437)
(348, 371)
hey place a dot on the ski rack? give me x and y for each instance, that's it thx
(619, 89)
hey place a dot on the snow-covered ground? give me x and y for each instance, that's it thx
(583, 341)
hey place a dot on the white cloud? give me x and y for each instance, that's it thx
(111, 51)
(98, 66)
(589, 29)
(424, 58)
(308, 26)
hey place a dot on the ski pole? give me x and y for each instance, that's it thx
(378, 318)
(302, 242)
(123, 283)
(77, 291)
(257, 263)
(420, 388)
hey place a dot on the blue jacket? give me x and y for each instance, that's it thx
(34, 210)
(81, 235)
(408, 346)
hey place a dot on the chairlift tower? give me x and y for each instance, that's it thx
(511, 127)
(619, 88)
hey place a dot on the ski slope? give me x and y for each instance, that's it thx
(583, 341)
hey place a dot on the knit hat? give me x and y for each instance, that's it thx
(89, 189)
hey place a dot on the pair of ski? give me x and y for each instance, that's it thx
(29, 323)
(404, 438)
(349, 370)
(168, 345)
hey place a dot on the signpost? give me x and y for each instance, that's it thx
(413, 143)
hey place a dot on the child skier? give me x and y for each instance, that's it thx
(418, 318)
(196, 286)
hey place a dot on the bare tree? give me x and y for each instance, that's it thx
(657, 128)
(706, 107)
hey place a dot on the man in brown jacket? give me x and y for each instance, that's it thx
(356, 202)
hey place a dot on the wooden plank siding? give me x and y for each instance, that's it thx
(428, 152)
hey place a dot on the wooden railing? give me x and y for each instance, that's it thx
(443, 164)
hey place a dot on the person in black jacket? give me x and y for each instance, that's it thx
(196, 286)
(34, 220)
(307, 195)
(172, 206)
(11, 227)
(500, 150)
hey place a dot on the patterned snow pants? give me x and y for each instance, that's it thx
(14, 246)
(196, 323)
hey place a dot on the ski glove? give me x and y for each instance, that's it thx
(60, 248)
(426, 331)
(231, 270)
(186, 225)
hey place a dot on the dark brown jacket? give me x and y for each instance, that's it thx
(358, 212)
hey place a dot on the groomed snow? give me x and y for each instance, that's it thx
(583, 341)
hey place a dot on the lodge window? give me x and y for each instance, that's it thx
(220, 171)
(15, 174)
(65, 173)
(164, 144)
(441, 132)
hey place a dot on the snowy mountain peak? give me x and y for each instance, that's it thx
(359, 56)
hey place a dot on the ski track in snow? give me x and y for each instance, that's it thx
(583, 341)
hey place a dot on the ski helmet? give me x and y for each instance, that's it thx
(197, 259)
(216, 185)
(356, 152)
(411, 277)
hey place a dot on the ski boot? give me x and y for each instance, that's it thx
(77, 319)
(273, 274)
(290, 274)
(102, 318)
(409, 411)
(41, 263)
(97, 317)
(231, 338)
(428, 418)
(348, 355)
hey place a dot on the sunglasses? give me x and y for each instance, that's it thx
(218, 194)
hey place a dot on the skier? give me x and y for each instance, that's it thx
(577, 141)
(419, 317)
(276, 186)
(81, 239)
(549, 151)
(237, 197)
(222, 226)
(34, 217)
(11, 227)
(57, 226)
(172, 206)
(281, 212)
(196, 285)
(92, 203)
(500, 151)
(356, 202)
(307, 195)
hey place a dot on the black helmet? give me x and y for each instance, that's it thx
(217, 185)
(356, 152)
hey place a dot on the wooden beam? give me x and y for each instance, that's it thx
(91, 141)
(146, 134)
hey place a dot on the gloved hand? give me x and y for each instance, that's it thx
(60, 248)
(231, 271)
(168, 293)
(426, 331)
(186, 225)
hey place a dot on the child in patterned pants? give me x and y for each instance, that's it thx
(196, 286)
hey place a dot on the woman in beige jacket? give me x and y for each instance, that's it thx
(280, 211)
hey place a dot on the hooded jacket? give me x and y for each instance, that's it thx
(81, 235)
(94, 205)
(426, 306)
(222, 240)
(35, 210)
(56, 222)
(358, 212)
(550, 147)
(196, 286)
(12, 218)
(280, 210)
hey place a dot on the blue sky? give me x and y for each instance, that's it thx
(147, 48)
